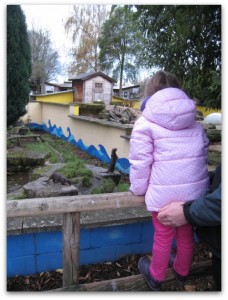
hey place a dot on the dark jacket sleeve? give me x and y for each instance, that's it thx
(205, 211)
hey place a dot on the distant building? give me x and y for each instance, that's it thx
(92, 87)
(128, 92)
(58, 87)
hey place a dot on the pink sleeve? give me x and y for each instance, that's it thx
(141, 158)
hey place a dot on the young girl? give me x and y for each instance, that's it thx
(168, 157)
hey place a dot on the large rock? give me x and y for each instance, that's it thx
(41, 189)
(26, 158)
(101, 173)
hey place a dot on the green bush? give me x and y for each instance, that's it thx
(75, 169)
(86, 181)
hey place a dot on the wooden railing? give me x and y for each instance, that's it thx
(70, 207)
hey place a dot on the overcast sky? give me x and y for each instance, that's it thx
(51, 18)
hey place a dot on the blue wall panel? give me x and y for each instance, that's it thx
(42, 251)
(85, 238)
(23, 265)
(48, 242)
(97, 255)
(115, 235)
(20, 245)
(140, 248)
(49, 261)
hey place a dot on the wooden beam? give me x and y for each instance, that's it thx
(137, 282)
(67, 204)
(71, 248)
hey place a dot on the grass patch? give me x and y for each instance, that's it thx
(38, 147)
(39, 172)
(42, 148)
(75, 169)
(86, 181)
(122, 187)
(62, 147)
(107, 187)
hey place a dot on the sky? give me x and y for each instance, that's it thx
(51, 18)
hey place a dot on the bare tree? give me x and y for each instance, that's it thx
(45, 60)
(84, 25)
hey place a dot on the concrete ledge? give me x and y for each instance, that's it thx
(22, 225)
(102, 122)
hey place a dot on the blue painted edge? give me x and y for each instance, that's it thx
(122, 164)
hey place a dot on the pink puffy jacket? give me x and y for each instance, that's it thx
(168, 151)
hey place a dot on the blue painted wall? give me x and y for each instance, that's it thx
(33, 253)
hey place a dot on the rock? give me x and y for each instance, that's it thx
(26, 158)
(40, 188)
(24, 130)
(214, 118)
(100, 173)
(104, 115)
(214, 158)
(16, 195)
(214, 135)
(119, 114)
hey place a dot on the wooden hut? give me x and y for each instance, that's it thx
(92, 87)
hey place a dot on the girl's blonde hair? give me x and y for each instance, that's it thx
(159, 81)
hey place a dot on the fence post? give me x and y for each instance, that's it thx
(71, 248)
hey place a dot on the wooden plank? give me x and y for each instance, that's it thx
(136, 282)
(79, 203)
(71, 248)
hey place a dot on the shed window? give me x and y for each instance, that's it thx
(98, 85)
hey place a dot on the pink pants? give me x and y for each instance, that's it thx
(163, 238)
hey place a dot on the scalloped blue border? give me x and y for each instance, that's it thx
(122, 164)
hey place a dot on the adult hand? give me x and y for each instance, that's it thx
(172, 214)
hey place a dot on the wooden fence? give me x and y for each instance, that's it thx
(71, 207)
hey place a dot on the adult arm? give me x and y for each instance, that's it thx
(205, 211)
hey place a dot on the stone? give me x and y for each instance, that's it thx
(214, 118)
(42, 189)
(214, 135)
(100, 173)
(25, 158)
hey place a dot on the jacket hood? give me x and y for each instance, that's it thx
(170, 108)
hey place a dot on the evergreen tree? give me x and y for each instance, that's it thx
(18, 64)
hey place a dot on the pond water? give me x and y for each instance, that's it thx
(16, 179)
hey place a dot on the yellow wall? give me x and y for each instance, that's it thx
(61, 97)
(135, 103)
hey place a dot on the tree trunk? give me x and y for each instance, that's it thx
(121, 76)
